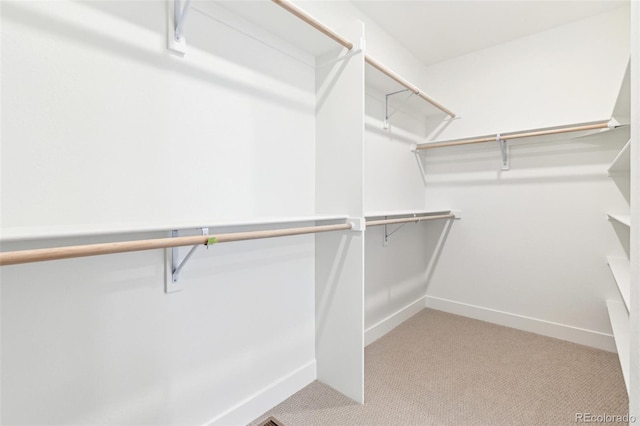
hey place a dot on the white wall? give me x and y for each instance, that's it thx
(103, 129)
(529, 251)
(395, 273)
(101, 109)
(569, 74)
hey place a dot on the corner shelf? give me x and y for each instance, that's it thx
(620, 269)
(619, 319)
(622, 163)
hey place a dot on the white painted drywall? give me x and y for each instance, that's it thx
(396, 273)
(103, 128)
(393, 178)
(339, 187)
(570, 74)
(533, 239)
(135, 135)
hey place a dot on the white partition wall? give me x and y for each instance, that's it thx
(339, 188)
(634, 326)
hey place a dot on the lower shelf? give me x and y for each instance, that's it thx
(620, 325)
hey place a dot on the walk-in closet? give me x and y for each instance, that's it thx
(287, 213)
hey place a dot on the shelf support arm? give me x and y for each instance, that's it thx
(388, 115)
(175, 255)
(180, 16)
(504, 150)
(388, 234)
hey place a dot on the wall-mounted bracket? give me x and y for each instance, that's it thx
(358, 224)
(504, 150)
(175, 266)
(387, 114)
(387, 234)
(176, 18)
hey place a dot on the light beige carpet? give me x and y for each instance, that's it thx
(443, 369)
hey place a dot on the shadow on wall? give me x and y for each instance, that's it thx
(399, 273)
(436, 245)
(158, 56)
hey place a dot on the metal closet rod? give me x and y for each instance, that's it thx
(518, 135)
(56, 253)
(409, 219)
(346, 43)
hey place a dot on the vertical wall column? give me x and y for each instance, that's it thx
(634, 311)
(339, 188)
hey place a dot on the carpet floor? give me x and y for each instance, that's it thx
(443, 369)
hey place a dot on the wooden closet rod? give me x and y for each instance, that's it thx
(294, 10)
(409, 219)
(40, 255)
(346, 43)
(408, 85)
(516, 135)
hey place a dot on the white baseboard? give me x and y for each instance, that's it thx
(381, 328)
(267, 398)
(581, 336)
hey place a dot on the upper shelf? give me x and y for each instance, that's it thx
(275, 20)
(623, 218)
(622, 162)
(287, 21)
(622, 108)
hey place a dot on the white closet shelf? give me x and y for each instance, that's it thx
(623, 218)
(620, 269)
(394, 213)
(622, 108)
(32, 233)
(619, 319)
(622, 162)
(275, 20)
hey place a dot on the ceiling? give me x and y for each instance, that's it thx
(438, 30)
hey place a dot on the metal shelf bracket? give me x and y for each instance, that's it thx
(388, 234)
(504, 150)
(175, 266)
(177, 16)
(388, 115)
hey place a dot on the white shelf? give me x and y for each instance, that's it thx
(32, 233)
(623, 218)
(393, 213)
(620, 270)
(275, 20)
(622, 162)
(622, 109)
(620, 325)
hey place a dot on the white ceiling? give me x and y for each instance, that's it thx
(437, 30)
